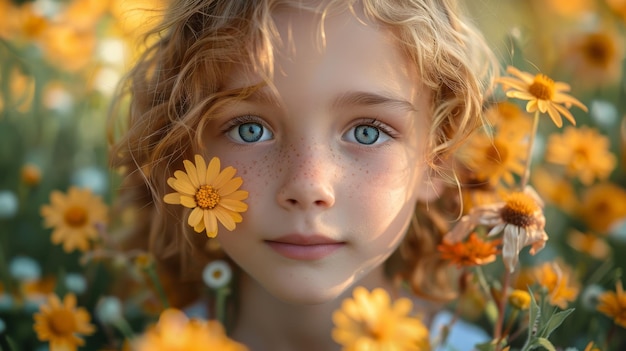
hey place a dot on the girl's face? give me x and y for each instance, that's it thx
(333, 158)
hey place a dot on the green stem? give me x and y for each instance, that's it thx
(482, 281)
(497, 334)
(157, 285)
(529, 156)
(123, 326)
(220, 309)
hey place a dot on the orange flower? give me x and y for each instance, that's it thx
(176, 332)
(584, 152)
(543, 94)
(472, 252)
(495, 159)
(555, 277)
(371, 321)
(613, 304)
(62, 323)
(74, 217)
(602, 205)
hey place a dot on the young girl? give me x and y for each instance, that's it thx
(340, 117)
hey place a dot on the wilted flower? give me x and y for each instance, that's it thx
(519, 216)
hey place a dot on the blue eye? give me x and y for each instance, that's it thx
(250, 132)
(366, 134)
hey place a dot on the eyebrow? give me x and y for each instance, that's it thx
(349, 98)
(364, 98)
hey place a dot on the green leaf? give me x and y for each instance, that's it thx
(554, 322)
(534, 314)
(546, 344)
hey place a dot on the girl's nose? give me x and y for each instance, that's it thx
(308, 182)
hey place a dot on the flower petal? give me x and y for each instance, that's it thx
(201, 168)
(212, 171)
(172, 198)
(195, 216)
(226, 175)
(226, 220)
(210, 221)
(192, 173)
(229, 187)
(233, 205)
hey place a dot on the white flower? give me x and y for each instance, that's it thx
(24, 269)
(8, 204)
(93, 178)
(75, 283)
(109, 310)
(217, 274)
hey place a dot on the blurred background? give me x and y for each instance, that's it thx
(59, 65)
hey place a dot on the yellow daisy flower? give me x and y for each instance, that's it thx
(543, 94)
(495, 159)
(509, 119)
(589, 243)
(210, 193)
(584, 152)
(602, 205)
(595, 58)
(74, 217)
(555, 189)
(557, 279)
(175, 332)
(520, 216)
(62, 323)
(613, 304)
(369, 321)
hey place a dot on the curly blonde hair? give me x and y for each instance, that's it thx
(176, 85)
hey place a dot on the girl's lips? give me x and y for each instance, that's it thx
(304, 247)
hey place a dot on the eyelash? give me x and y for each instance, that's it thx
(242, 120)
(374, 122)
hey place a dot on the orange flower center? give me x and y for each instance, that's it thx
(497, 153)
(519, 210)
(207, 197)
(598, 49)
(75, 216)
(62, 322)
(542, 87)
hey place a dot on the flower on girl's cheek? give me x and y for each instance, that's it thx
(211, 193)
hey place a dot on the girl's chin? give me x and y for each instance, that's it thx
(303, 294)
